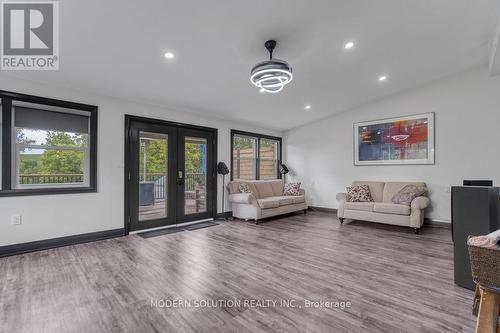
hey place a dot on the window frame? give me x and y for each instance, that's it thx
(9, 152)
(258, 137)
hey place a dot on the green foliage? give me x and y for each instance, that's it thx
(59, 161)
(156, 156)
(54, 161)
(30, 163)
(240, 142)
(63, 139)
(193, 158)
(157, 152)
(71, 162)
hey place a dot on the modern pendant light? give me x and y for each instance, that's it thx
(271, 75)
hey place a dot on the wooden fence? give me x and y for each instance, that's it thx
(244, 163)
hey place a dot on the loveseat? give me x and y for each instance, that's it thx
(265, 200)
(382, 209)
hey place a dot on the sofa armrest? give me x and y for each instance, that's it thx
(242, 198)
(420, 203)
(302, 191)
(341, 197)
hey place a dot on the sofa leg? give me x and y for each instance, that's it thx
(416, 230)
(305, 211)
(341, 220)
(256, 221)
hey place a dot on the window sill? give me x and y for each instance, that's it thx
(46, 191)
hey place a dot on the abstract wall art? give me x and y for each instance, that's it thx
(403, 140)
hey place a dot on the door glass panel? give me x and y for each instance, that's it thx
(268, 151)
(153, 175)
(195, 180)
(244, 157)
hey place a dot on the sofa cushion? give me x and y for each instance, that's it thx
(233, 187)
(365, 206)
(376, 189)
(264, 189)
(359, 193)
(277, 186)
(284, 200)
(298, 199)
(270, 202)
(291, 189)
(409, 192)
(391, 208)
(391, 188)
(244, 188)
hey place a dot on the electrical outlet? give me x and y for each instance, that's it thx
(16, 219)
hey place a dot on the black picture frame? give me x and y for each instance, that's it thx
(7, 189)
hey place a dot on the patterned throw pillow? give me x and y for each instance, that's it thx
(291, 189)
(406, 195)
(359, 193)
(244, 188)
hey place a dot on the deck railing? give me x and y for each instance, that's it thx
(50, 179)
(193, 181)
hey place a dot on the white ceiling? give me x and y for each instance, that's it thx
(116, 48)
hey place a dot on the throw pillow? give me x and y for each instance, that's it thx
(359, 193)
(291, 189)
(406, 195)
(244, 188)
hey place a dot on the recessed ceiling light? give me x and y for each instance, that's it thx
(349, 45)
(382, 78)
(169, 55)
(307, 107)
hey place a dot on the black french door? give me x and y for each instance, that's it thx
(170, 173)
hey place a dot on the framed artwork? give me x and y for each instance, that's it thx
(403, 140)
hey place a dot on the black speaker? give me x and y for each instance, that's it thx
(222, 168)
(474, 212)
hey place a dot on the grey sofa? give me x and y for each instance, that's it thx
(266, 200)
(382, 209)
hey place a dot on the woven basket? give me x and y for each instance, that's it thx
(485, 266)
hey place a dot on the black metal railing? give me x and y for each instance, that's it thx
(159, 180)
(50, 179)
(192, 182)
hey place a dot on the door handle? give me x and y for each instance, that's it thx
(180, 178)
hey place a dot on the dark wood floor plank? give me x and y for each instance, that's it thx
(396, 281)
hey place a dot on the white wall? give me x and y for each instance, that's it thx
(467, 111)
(50, 216)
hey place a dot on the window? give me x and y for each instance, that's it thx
(244, 157)
(255, 156)
(269, 157)
(50, 145)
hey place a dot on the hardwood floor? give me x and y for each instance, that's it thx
(395, 280)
